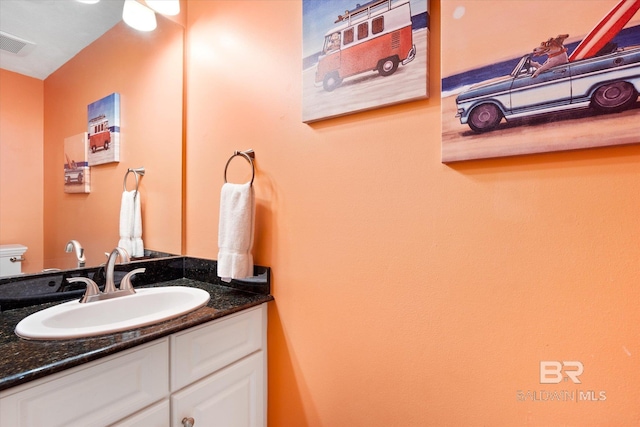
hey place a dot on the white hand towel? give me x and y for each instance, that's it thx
(137, 243)
(235, 231)
(126, 221)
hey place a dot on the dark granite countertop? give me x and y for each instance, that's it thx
(24, 360)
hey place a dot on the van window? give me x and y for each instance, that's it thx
(332, 42)
(363, 30)
(347, 36)
(377, 25)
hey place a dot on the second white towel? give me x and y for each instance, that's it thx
(131, 224)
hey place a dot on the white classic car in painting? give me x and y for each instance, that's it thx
(608, 82)
(73, 175)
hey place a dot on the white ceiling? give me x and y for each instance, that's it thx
(59, 28)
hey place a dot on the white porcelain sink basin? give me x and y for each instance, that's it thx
(146, 307)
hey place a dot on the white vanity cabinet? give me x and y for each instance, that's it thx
(233, 396)
(214, 373)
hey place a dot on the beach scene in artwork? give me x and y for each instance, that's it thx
(474, 51)
(104, 130)
(77, 173)
(341, 73)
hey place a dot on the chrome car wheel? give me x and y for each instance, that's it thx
(484, 118)
(614, 97)
(388, 66)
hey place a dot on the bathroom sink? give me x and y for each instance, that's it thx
(78, 320)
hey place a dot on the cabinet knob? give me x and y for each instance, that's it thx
(188, 422)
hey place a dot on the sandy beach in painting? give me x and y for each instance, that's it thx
(569, 131)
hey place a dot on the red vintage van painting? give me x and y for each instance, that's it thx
(99, 133)
(376, 36)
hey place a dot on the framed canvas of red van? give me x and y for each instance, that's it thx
(552, 76)
(104, 130)
(360, 55)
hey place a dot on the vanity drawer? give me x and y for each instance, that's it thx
(203, 350)
(95, 394)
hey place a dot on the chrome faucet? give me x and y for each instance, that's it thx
(110, 291)
(109, 285)
(74, 244)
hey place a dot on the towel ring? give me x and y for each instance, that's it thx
(136, 172)
(249, 155)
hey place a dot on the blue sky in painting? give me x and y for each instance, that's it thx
(107, 106)
(318, 17)
(456, 83)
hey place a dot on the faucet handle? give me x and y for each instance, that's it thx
(92, 288)
(125, 283)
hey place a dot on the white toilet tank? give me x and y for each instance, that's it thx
(11, 257)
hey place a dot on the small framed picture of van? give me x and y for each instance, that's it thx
(362, 55)
(104, 130)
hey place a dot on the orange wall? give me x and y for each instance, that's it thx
(146, 69)
(410, 292)
(21, 206)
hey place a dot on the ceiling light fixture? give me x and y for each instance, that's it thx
(165, 7)
(88, 1)
(138, 16)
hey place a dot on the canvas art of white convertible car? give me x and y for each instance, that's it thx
(609, 82)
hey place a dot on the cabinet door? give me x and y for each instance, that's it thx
(95, 394)
(232, 397)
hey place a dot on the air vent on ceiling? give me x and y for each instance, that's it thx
(16, 45)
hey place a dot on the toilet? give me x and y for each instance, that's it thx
(11, 257)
